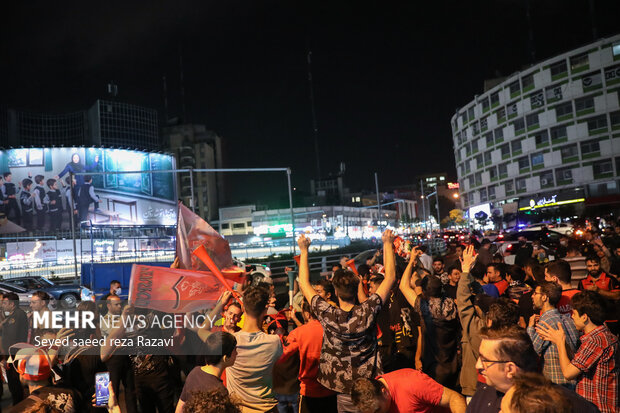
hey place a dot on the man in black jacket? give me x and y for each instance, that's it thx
(14, 330)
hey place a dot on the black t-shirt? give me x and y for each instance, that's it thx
(450, 290)
(399, 332)
(526, 306)
(14, 329)
(198, 380)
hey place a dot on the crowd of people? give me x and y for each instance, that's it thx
(403, 332)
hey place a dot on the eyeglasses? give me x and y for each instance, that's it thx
(488, 363)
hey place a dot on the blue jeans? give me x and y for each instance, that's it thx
(285, 399)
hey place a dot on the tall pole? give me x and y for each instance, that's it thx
(191, 188)
(71, 214)
(437, 206)
(290, 203)
(423, 206)
(315, 126)
(378, 200)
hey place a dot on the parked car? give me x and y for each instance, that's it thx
(254, 269)
(23, 294)
(67, 295)
(563, 228)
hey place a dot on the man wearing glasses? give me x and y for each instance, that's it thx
(506, 354)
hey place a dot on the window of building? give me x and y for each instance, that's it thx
(564, 110)
(604, 167)
(487, 157)
(558, 69)
(612, 74)
(527, 82)
(614, 117)
(485, 104)
(569, 153)
(519, 125)
(546, 179)
(491, 192)
(468, 149)
(537, 99)
(499, 135)
(476, 127)
(492, 173)
(464, 117)
(559, 133)
(470, 198)
(474, 146)
(554, 93)
(478, 177)
(483, 195)
(509, 187)
(501, 114)
(538, 159)
(521, 184)
(584, 105)
(592, 81)
(579, 62)
(564, 176)
(470, 180)
(515, 88)
(524, 163)
(615, 49)
(502, 169)
(505, 150)
(225, 226)
(511, 109)
(541, 138)
(467, 167)
(489, 139)
(590, 148)
(597, 123)
(479, 161)
(532, 120)
(470, 113)
(516, 147)
(239, 226)
(484, 123)
(495, 99)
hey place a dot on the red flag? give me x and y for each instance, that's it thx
(193, 231)
(172, 290)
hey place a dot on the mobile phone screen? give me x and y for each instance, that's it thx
(101, 388)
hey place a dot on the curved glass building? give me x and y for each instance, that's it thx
(545, 137)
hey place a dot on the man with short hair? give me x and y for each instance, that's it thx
(325, 289)
(596, 364)
(438, 270)
(14, 329)
(454, 275)
(38, 304)
(505, 355)
(495, 273)
(349, 348)
(250, 378)
(86, 196)
(232, 316)
(598, 281)
(9, 195)
(404, 391)
(114, 306)
(220, 353)
(559, 272)
(546, 298)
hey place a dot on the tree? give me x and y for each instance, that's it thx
(455, 217)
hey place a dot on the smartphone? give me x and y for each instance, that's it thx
(102, 394)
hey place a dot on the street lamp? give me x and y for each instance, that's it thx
(455, 195)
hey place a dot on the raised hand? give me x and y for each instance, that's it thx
(388, 237)
(303, 243)
(469, 258)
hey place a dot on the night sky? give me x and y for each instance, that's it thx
(388, 76)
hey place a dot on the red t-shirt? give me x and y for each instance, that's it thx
(307, 340)
(413, 391)
(564, 305)
(501, 286)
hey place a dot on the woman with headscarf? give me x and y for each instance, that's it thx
(76, 166)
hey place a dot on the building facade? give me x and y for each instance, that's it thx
(544, 137)
(195, 147)
(106, 123)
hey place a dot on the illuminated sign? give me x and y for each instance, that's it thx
(453, 185)
(549, 202)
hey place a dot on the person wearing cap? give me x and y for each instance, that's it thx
(35, 371)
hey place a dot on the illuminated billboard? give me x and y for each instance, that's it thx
(37, 195)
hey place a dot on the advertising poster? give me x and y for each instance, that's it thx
(37, 195)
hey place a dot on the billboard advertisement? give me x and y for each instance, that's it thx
(37, 195)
